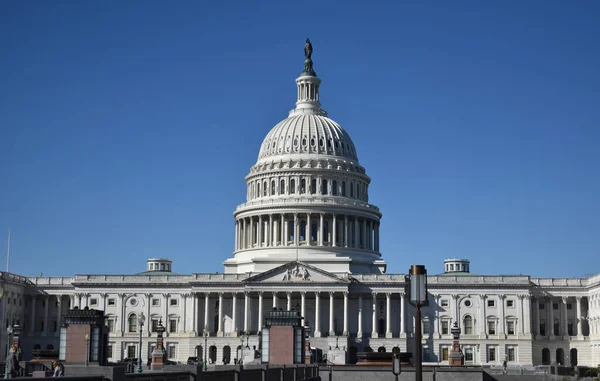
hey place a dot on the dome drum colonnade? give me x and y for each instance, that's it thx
(307, 196)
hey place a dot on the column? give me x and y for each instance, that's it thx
(374, 326)
(289, 300)
(356, 234)
(377, 236)
(243, 233)
(220, 322)
(536, 316)
(233, 314)
(271, 239)
(578, 317)
(520, 309)
(184, 298)
(302, 303)
(317, 320)
(33, 304)
(550, 323)
(122, 314)
(260, 311)
(59, 317)
(274, 300)
(46, 310)
(388, 317)
(331, 312)
(246, 308)
(364, 233)
(482, 318)
(359, 333)
(195, 304)
(165, 302)
(321, 230)
(259, 229)
(283, 238)
(206, 304)
(346, 231)
(307, 231)
(501, 324)
(236, 236)
(565, 327)
(402, 314)
(334, 244)
(527, 313)
(296, 229)
(345, 313)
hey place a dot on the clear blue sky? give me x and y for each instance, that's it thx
(127, 127)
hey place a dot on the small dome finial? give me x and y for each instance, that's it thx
(308, 64)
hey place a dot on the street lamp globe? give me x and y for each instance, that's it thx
(418, 285)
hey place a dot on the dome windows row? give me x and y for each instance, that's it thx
(306, 185)
(329, 146)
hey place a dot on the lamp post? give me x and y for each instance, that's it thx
(87, 349)
(396, 370)
(9, 331)
(418, 298)
(141, 321)
(205, 334)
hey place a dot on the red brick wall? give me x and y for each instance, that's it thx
(281, 345)
(76, 345)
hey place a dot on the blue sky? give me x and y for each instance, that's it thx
(126, 128)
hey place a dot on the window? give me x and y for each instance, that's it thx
(172, 351)
(292, 186)
(543, 327)
(154, 324)
(302, 186)
(570, 327)
(172, 302)
(172, 325)
(343, 188)
(111, 301)
(313, 186)
(468, 323)
(491, 303)
(569, 306)
(93, 302)
(510, 353)
(510, 327)
(272, 187)
(109, 352)
(554, 306)
(334, 188)
(132, 323)
(491, 327)
(351, 190)
(452, 267)
(542, 306)
(510, 303)
(155, 302)
(491, 354)
(110, 323)
(445, 354)
(324, 187)
(258, 190)
(131, 351)
(265, 188)
(469, 354)
(445, 324)
(444, 303)
(467, 303)
(556, 327)
(282, 187)
(425, 327)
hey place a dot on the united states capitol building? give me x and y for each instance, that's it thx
(307, 238)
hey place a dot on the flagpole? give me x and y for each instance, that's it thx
(8, 251)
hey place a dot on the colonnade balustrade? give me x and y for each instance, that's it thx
(307, 229)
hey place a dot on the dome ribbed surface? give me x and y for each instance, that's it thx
(308, 134)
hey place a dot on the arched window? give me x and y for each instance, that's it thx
(573, 357)
(265, 188)
(292, 186)
(351, 190)
(313, 186)
(257, 189)
(272, 187)
(468, 324)
(324, 187)
(132, 322)
(334, 190)
(282, 187)
(302, 186)
(253, 193)
(560, 356)
(381, 349)
(343, 188)
(546, 356)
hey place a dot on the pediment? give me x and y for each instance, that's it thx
(296, 272)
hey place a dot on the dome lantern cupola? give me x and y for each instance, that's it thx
(308, 88)
(455, 265)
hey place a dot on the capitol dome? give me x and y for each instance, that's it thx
(307, 196)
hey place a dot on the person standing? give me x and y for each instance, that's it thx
(12, 367)
(59, 369)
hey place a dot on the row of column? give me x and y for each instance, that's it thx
(304, 186)
(562, 317)
(46, 327)
(332, 230)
